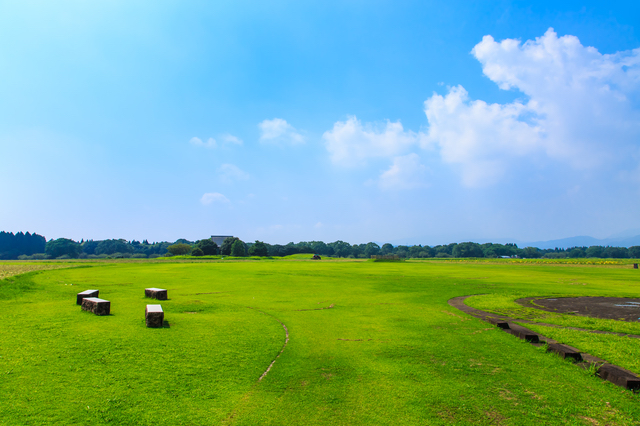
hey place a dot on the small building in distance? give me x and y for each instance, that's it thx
(219, 239)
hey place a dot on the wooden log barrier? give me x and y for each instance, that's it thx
(154, 316)
(97, 306)
(156, 293)
(86, 293)
(564, 351)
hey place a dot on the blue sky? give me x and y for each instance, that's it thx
(425, 122)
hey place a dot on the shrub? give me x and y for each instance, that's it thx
(179, 249)
(197, 252)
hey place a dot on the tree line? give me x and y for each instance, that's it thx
(34, 246)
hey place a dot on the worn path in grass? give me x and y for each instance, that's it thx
(390, 351)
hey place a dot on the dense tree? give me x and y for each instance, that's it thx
(179, 249)
(595, 251)
(531, 252)
(197, 251)
(258, 249)
(371, 249)
(238, 248)
(63, 247)
(12, 246)
(468, 249)
(208, 247)
(386, 249)
(341, 249)
(616, 252)
(113, 246)
(634, 252)
(225, 250)
(577, 253)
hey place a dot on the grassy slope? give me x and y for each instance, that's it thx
(391, 351)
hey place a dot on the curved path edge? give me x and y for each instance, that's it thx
(605, 370)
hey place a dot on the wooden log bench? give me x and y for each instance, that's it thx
(97, 306)
(156, 293)
(154, 316)
(86, 293)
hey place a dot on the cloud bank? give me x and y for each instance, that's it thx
(582, 108)
(579, 109)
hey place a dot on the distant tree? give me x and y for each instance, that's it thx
(62, 247)
(179, 249)
(531, 252)
(258, 249)
(341, 249)
(386, 249)
(276, 250)
(616, 252)
(113, 246)
(595, 251)
(89, 246)
(371, 249)
(238, 248)
(183, 241)
(577, 252)
(227, 244)
(634, 252)
(208, 247)
(468, 249)
(197, 252)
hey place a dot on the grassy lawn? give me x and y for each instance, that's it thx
(389, 351)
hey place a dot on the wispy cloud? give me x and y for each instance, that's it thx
(214, 197)
(210, 143)
(231, 172)
(226, 139)
(406, 172)
(230, 139)
(279, 132)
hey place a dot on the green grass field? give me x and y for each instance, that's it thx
(389, 351)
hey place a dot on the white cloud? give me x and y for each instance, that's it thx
(278, 131)
(350, 143)
(227, 139)
(230, 139)
(406, 172)
(214, 197)
(582, 108)
(211, 143)
(478, 136)
(231, 172)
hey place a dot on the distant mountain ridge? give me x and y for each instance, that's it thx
(584, 241)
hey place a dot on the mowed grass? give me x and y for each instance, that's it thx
(390, 351)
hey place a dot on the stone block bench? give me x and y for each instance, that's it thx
(97, 306)
(154, 316)
(156, 293)
(86, 293)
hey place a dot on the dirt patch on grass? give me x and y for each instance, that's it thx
(617, 308)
